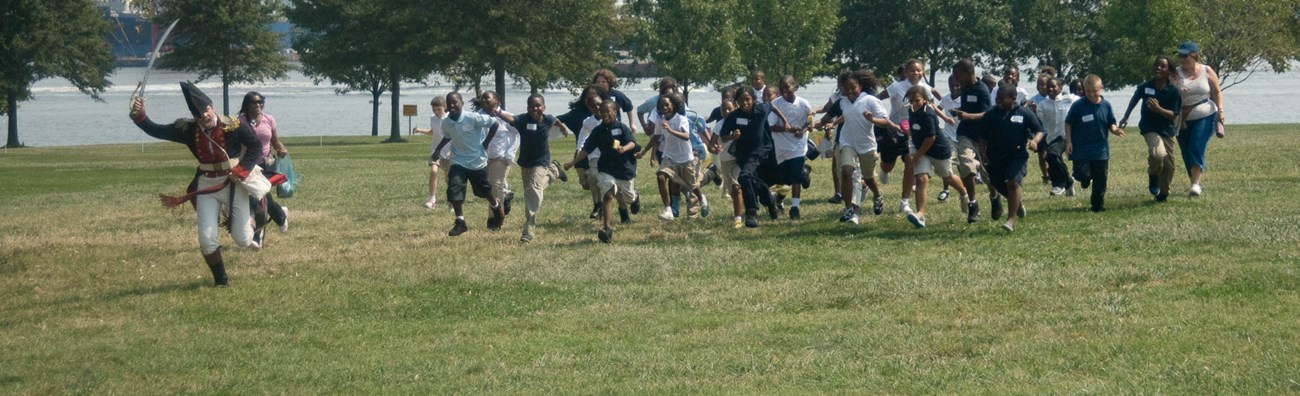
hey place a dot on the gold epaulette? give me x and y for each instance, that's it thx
(230, 124)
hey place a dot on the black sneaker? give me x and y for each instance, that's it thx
(780, 203)
(1153, 185)
(835, 199)
(494, 223)
(1085, 183)
(595, 211)
(846, 215)
(751, 220)
(713, 170)
(636, 205)
(879, 206)
(1020, 212)
(605, 234)
(794, 213)
(996, 211)
(510, 196)
(972, 212)
(459, 228)
(807, 176)
(773, 212)
(943, 196)
(623, 217)
(559, 169)
(1162, 197)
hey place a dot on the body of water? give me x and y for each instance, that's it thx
(59, 115)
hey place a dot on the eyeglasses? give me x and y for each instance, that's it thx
(261, 101)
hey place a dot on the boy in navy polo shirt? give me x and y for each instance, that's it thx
(1086, 141)
(1008, 129)
(933, 151)
(616, 166)
(535, 157)
(1161, 104)
(975, 100)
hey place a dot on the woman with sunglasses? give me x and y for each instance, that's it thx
(263, 125)
(1202, 111)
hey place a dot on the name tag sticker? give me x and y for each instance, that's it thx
(1018, 119)
(1151, 91)
(916, 127)
(742, 121)
(532, 127)
(616, 132)
(1089, 118)
(972, 98)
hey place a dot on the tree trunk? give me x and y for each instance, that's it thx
(395, 88)
(225, 96)
(375, 93)
(12, 111)
(499, 69)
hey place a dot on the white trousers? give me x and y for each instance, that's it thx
(209, 207)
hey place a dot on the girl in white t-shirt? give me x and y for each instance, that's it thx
(913, 75)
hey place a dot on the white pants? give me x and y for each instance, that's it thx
(209, 207)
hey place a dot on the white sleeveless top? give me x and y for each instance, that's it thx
(1195, 90)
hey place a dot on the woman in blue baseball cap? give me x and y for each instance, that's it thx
(1202, 111)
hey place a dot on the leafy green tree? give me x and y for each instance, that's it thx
(372, 46)
(1239, 38)
(1131, 34)
(694, 41)
(230, 39)
(789, 37)
(1052, 33)
(546, 43)
(883, 34)
(50, 38)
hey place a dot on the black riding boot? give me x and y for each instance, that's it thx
(218, 268)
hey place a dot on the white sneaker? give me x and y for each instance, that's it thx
(854, 219)
(904, 208)
(1058, 191)
(285, 226)
(1195, 191)
(666, 214)
(884, 177)
(431, 203)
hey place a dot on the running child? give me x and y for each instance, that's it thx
(1052, 111)
(727, 169)
(469, 135)
(1008, 129)
(1086, 128)
(975, 100)
(754, 151)
(501, 152)
(439, 153)
(933, 151)
(1161, 104)
(617, 166)
(857, 154)
(539, 171)
(791, 142)
(678, 166)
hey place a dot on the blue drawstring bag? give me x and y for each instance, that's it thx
(285, 167)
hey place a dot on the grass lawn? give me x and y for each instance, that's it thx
(102, 290)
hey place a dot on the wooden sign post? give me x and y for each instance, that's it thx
(410, 111)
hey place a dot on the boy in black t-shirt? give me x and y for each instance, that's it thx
(535, 157)
(616, 166)
(1007, 130)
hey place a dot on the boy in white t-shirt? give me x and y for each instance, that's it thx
(792, 143)
(501, 152)
(951, 101)
(439, 153)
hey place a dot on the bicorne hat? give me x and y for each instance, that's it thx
(195, 99)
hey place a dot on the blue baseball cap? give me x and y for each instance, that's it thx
(1188, 47)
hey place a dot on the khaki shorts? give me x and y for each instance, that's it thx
(967, 160)
(685, 174)
(587, 178)
(729, 171)
(623, 190)
(865, 163)
(941, 168)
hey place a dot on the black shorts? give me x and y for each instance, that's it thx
(891, 146)
(790, 172)
(458, 176)
(1006, 169)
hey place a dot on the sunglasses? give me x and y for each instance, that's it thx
(1184, 55)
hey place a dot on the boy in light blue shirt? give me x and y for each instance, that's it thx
(469, 135)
